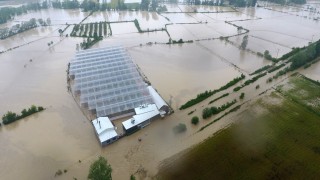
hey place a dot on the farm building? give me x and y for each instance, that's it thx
(105, 130)
(108, 82)
(157, 99)
(144, 115)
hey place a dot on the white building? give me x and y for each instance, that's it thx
(157, 99)
(105, 130)
(144, 115)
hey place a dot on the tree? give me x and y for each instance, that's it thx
(100, 170)
(241, 96)
(244, 42)
(254, 2)
(318, 48)
(195, 120)
(144, 5)
(154, 5)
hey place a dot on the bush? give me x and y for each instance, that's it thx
(258, 86)
(132, 177)
(179, 128)
(195, 120)
(100, 169)
(206, 112)
(191, 112)
(241, 96)
(9, 117)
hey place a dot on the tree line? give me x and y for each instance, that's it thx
(7, 13)
(92, 30)
(11, 117)
(202, 96)
(24, 26)
(302, 58)
(208, 112)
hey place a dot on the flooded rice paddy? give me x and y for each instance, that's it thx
(60, 136)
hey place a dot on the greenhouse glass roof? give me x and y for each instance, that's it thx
(108, 81)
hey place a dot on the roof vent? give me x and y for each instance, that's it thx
(132, 121)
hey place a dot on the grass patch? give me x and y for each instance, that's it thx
(271, 141)
(303, 91)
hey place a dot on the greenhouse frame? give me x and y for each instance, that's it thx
(108, 82)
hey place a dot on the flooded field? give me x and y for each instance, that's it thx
(123, 28)
(60, 136)
(200, 31)
(39, 33)
(147, 20)
(188, 68)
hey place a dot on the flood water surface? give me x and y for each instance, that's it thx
(38, 146)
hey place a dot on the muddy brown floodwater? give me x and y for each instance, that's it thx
(38, 146)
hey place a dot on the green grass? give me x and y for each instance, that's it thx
(302, 91)
(271, 141)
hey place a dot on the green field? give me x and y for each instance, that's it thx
(277, 138)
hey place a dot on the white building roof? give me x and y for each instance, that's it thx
(157, 99)
(105, 130)
(148, 112)
(145, 108)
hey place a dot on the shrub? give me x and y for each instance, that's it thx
(206, 112)
(241, 96)
(179, 128)
(260, 54)
(132, 177)
(9, 117)
(191, 112)
(195, 120)
(258, 86)
(40, 108)
(100, 169)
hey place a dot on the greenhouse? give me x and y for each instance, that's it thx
(108, 82)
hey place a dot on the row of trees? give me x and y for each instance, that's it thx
(10, 117)
(66, 4)
(305, 56)
(93, 30)
(247, 82)
(202, 96)
(7, 13)
(243, 3)
(282, 2)
(208, 112)
(24, 26)
(89, 42)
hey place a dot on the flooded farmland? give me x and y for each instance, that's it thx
(33, 72)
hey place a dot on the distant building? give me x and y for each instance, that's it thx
(105, 130)
(144, 115)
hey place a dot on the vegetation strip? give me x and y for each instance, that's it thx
(202, 96)
(261, 69)
(224, 95)
(208, 112)
(302, 58)
(10, 117)
(246, 83)
(217, 119)
(276, 68)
